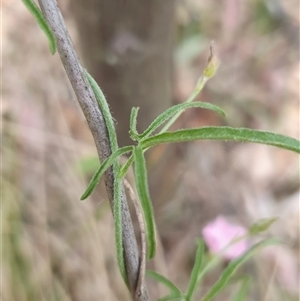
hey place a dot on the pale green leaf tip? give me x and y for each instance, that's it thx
(222, 113)
(85, 195)
(52, 48)
(150, 256)
(152, 251)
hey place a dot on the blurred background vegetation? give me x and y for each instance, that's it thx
(149, 54)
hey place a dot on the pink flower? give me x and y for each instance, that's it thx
(219, 233)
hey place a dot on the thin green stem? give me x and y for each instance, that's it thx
(125, 167)
(200, 84)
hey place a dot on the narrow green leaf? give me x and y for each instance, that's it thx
(221, 283)
(105, 111)
(224, 133)
(125, 167)
(242, 292)
(103, 167)
(180, 108)
(262, 225)
(133, 119)
(38, 15)
(174, 290)
(117, 208)
(195, 271)
(140, 172)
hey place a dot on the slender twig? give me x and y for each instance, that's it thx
(139, 214)
(91, 110)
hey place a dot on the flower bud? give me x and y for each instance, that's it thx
(212, 63)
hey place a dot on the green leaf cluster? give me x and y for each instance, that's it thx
(149, 138)
(200, 270)
(137, 156)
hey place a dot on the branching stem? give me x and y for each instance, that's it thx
(96, 122)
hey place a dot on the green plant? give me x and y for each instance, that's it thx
(149, 138)
(200, 270)
(145, 140)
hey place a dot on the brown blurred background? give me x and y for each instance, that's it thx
(148, 54)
